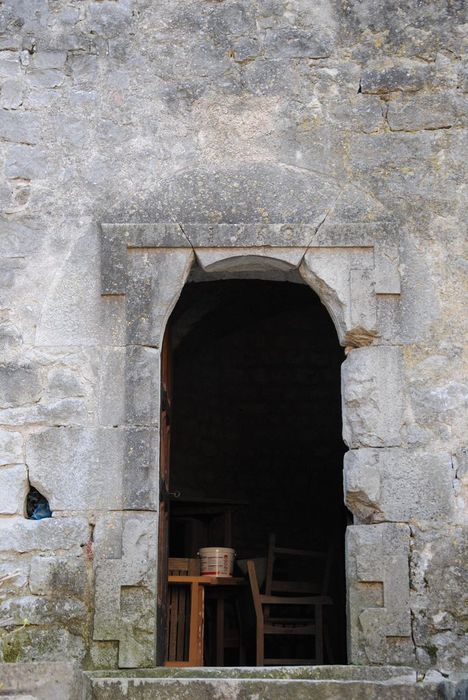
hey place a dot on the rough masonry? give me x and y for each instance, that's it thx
(262, 135)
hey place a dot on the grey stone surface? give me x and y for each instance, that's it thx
(372, 392)
(11, 447)
(265, 689)
(398, 485)
(26, 162)
(13, 489)
(58, 576)
(438, 583)
(19, 384)
(111, 386)
(409, 77)
(19, 128)
(439, 111)
(44, 681)
(77, 468)
(248, 260)
(21, 535)
(142, 372)
(343, 278)
(147, 235)
(140, 482)
(125, 593)
(379, 626)
(113, 260)
(246, 235)
(155, 281)
(11, 94)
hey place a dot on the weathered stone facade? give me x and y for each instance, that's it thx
(270, 136)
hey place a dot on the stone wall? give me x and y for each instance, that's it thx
(346, 117)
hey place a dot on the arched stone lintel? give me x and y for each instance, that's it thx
(351, 270)
(249, 260)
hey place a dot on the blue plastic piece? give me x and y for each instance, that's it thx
(41, 511)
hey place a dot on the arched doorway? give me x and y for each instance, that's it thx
(251, 382)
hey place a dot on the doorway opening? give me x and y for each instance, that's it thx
(251, 448)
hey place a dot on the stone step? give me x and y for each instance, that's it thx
(306, 683)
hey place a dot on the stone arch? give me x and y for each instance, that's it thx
(354, 270)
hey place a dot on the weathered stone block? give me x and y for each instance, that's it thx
(156, 279)
(438, 595)
(389, 318)
(142, 378)
(49, 59)
(408, 77)
(71, 312)
(19, 128)
(125, 570)
(140, 476)
(27, 162)
(77, 468)
(146, 235)
(58, 576)
(13, 489)
(398, 485)
(333, 273)
(46, 78)
(11, 96)
(231, 194)
(111, 387)
(113, 260)
(14, 573)
(249, 235)
(21, 535)
(379, 622)
(437, 111)
(11, 447)
(249, 260)
(45, 681)
(112, 322)
(372, 386)
(19, 384)
(64, 383)
(295, 42)
(95, 468)
(386, 256)
(66, 612)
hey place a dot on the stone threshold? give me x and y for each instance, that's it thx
(329, 672)
(66, 681)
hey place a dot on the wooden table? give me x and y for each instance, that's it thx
(197, 613)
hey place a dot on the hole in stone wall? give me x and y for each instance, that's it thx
(37, 505)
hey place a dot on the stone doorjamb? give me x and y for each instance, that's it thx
(354, 270)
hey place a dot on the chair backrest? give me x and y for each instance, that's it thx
(255, 590)
(282, 562)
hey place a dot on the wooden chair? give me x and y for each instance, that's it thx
(304, 599)
(181, 643)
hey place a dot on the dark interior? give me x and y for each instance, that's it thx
(256, 419)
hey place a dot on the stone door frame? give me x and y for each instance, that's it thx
(354, 271)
